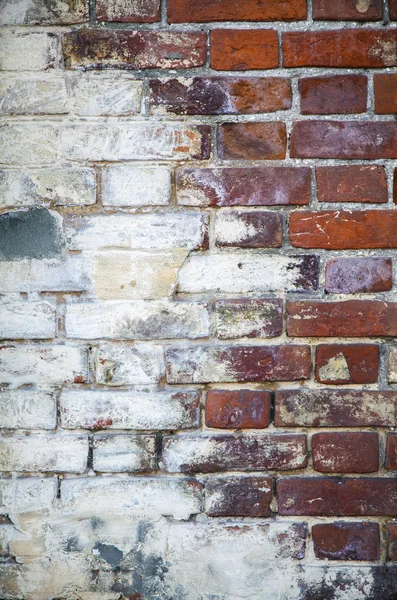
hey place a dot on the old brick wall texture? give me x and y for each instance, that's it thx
(198, 234)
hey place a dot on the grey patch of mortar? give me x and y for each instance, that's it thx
(34, 233)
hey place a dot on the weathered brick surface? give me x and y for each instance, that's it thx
(345, 452)
(136, 186)
(238, 50)
(128, 12)
(237, 409)
(123, 364)
(181, 11)
(392, 364)
(238, 497)
(385, 87)
(252, 141)
(19, 52)
(27, 320)
(347, 10)
(346, 541)
(354, 275)
(118, 453)
(43, 13)
(391, 452)
(28, 409)
(343, 94)
(248, 229)
(351, 184)
(347, 363)
(248, 318)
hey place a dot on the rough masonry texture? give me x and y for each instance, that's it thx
(198, 317)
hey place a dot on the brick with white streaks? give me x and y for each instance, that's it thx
(27, 494)
(32, 96)
(27, 320)
(131, 185)
(126, 364)
(23, 144)
(28, 409)
(32, 51)
(124, 453)
(93, 94)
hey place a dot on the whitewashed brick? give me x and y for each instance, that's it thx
(135, 496)
(137, 232)
(61, 186)
(27, 409)
(129, 141)
(124, 453)
(137, 320)
(27, 320)
(51, 452)
(244, 272)
(27, 494)
(140, 409)
(42, 365)
(32, 96)
(30, 51)
(99, 94)
(30, 12)
(122, 364)
(23, 144)
(130, 185)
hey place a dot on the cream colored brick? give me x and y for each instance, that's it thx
(28, 409)
(102, 94)
(29, 12)
(27, 51)
(32, 95)
(26, 144)
(27, 494)
(131, 185)
(27, 320)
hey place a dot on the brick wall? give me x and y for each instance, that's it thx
(197, 244)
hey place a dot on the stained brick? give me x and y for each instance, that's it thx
(343, 94)
(392, 365)
(346, 541)
(248, 318)
(124, 453)
(238, 497)
(241, 50)
(44, 13)
(393, 10)
(350, 183)
(391, 452)
(181, 11)
(248, 229)
(353, 275)
(385, 88)
(123, 11)
(345, 452)
(347, 10)
(347, 363)
(392, 539)
(252, 141)
(237, 409)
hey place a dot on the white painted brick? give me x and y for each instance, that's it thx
(62, 186)
(123, 364)
(27, 409)
(135, 496)
(48, 275)
(51, 452)
(99, 94)
(27, 51)
(137, 320)
(140, 409)
(32, 95)
(42, 365)
(138, 232)
(124, 453)
(21, 12)
(130, 185)
(23, 144)
(129, 141)
(242, 272)
(27, 320)
(27, 494)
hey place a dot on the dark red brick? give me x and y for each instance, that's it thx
(353, 275)
(248, 318)
(343, 94)
(335, 408)
(347, 363)
(121, 49)
(391, 452)
(347, 10)
(220, 95)
(237, 409)
(128, 12)
(251, 186)
(392, 539)
(352, 183)
(345, 452)
(385, 88)
(252, 141)
(344, 139)
(393, 10)
(238, 497)
(344, 230)
(241, 50)
(349, 48)
(248, 229)
(352, 318)
(346, 541)
(315, 496)
(201, 11)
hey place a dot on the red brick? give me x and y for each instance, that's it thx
(238, 497)
(257, 318)
(314, 496)
(213, 364)
(347, 10)
(239, 50)
(128, 12)
(251, 186)
(344, 139)
(252, 141)
(385, 88)
(393, 10)
(345, 452)
(226, 452)
(361, 183)
(201, 11)
(248, 229)
(101, 48)
(352, 318)
(352, 275)
(343, 230)
(392, 538)
(343, 94)
(391, 452)
(346, 541)
(237, 409)
(335, 408)
(365, 48)
(347, 363)
(220, 95)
